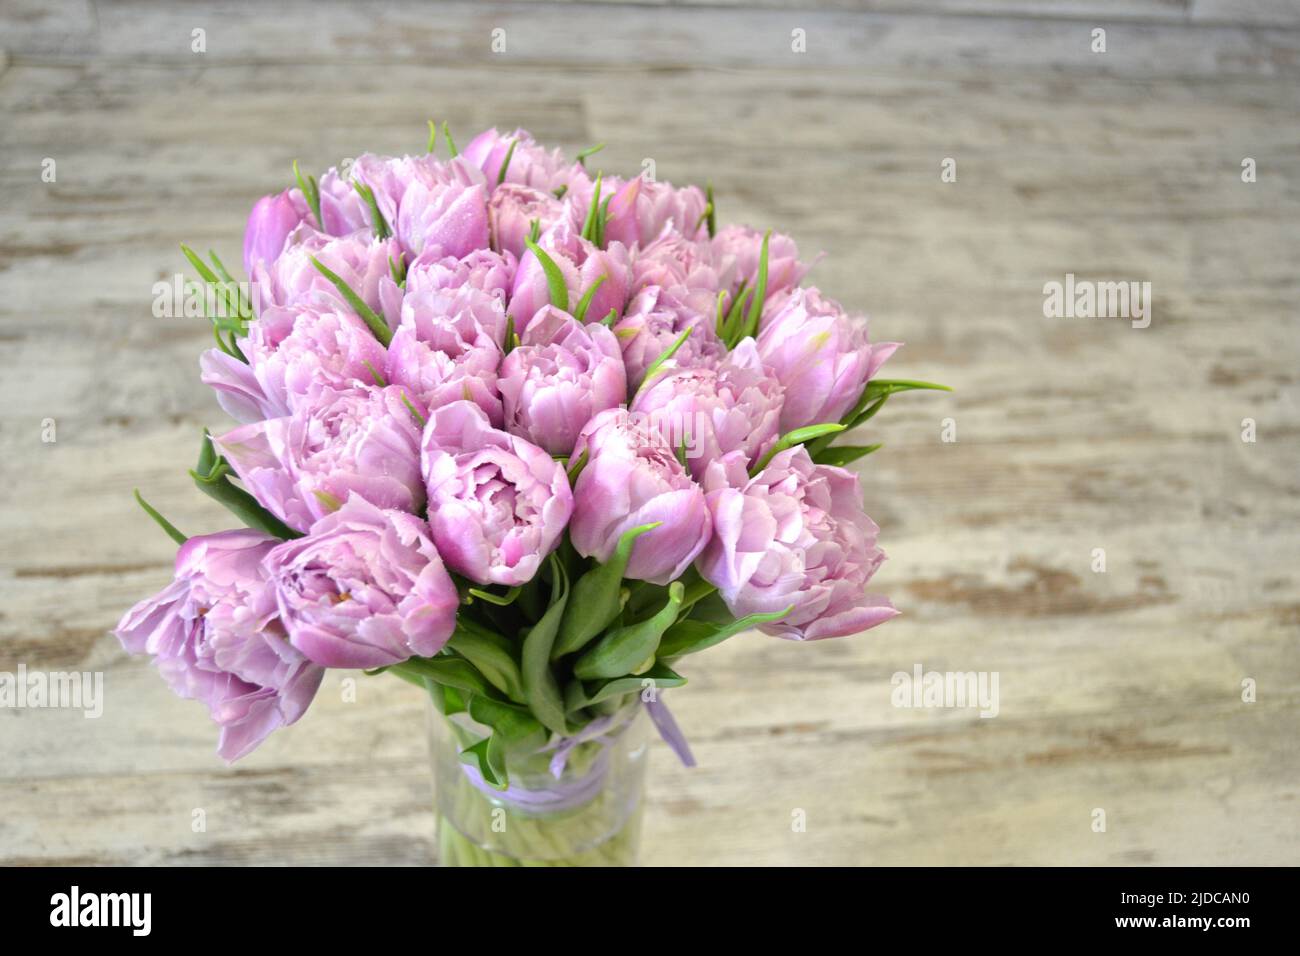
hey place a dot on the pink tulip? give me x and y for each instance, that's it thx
(794, 535)
(821, 355)
(708, 412)
(561, 374)
(303, 466)
(365, 588)
(581, 264)
(216, 636)
(633, 478)
(269, 224)
(497, 504)
(654, 320)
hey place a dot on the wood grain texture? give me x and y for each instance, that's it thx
(1119, 690)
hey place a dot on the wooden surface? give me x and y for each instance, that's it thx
(1119, 690)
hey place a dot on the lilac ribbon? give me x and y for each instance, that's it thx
(562, 796)
(668, 730)
(565, 795)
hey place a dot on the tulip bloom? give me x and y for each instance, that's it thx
(821, 355)
(530, 164)
(512, 211)
(448, 348)
(359, 259)
(324, 347)
(560, 375)
(795, 534)
(481, 269)
(215, 635)
(581, 264)
(686, 269)
(303, 466)
(497, 504)
(654, 320)
(642, 210)
(709, 412)
(342, 209)
(738, 250)
(269, 225)
(365, 588)
(633, 478)
(428, 204)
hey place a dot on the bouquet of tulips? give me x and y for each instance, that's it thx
(522, 435)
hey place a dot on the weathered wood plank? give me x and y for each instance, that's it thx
(1119, 690)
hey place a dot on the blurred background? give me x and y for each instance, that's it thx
(1103, 516)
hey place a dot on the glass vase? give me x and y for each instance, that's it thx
(587, 815)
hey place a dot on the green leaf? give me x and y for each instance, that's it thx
(380, 225)
(163, 523)
(500, 600)
(415, 412)
(489, 760)
(453, 700)
(596, 598)
(760, 293)
(220, 267)
(437, 693)
(624, 649)
(540, 686)
(697, 589)
(513, 723)
(602, 217)
(433, 137)
(223, 345)
(576, 468)
(664, 356)
(710, 608)
(713, 211)
(310, 192)
(704, 216)
(492, 654)
(689, 636)
(212, 478)
(589, 151)
(227, 293)
(580, 313)
(398, 270)
(505, 163)
(451, 143)
(372, 319)
(735, 316)
(661, 676)
(881, 386)
(844, 454)
(872, 400)
(864, 416)
(415, 680)
(796, 437)
(511, 338)
(559, 292)
(449, 671)
(593, 210)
